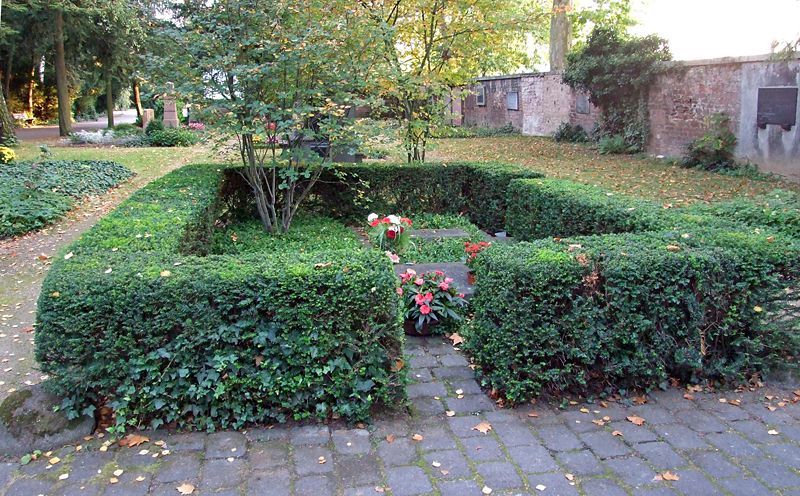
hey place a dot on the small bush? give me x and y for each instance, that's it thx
(107, 137)
(154, 126)
(714, 150)
(567, 133)
(7, 155)
(24, 209)
(172, 137)
(615, 145)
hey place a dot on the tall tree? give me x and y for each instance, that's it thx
(559, 34)
(62, 86)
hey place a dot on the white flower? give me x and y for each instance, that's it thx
(394, 219)
(372, 217)
(392, 256)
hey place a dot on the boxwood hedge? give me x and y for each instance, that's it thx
(130, 316)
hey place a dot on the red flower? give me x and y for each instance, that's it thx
(460, 295)
(424, 309)
(374, 223)
(439, 273)
(391, 234)
(405, 220)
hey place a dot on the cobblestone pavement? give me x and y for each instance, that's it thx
(747, 445)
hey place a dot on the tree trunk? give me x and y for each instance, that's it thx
(137, 97)
(7, 76)
(7, 135)
(62, 86)
(31, 87)
(560, 32)
(109, 99)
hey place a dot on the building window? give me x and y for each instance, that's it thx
(480, 97)
(512, 100)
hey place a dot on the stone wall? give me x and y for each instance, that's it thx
(682, 99)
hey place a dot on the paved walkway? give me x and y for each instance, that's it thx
(50, 133)
(748, 444)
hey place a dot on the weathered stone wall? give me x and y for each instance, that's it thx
(544, 103)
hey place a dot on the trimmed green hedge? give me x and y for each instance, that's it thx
(475, 189)
(35, 194)
(128, 314)
(779, 210)
(603, 313)
(541, 208)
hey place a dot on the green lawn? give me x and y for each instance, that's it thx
(633, 175)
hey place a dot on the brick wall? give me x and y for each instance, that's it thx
(544, 103)
(682, 99)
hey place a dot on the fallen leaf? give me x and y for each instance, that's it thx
(616, 433)
(483, 427)
(569, 477)
(165, 273)
(604, 404)
(599, 422)
(444, 472)
(63, 477)
(118, 472)
(694, 388)
(584, 410)
(486, 490)
(456, 339)
(398, 365)
(54, 460)
(669, 476)
(450, 413)
(533, 415)
(640, 400)
(68, 256)
(113, 480)
(380, 489)
(321, 460)
(688, 397)
(133, 440)
(541, 487)
(673, 248)
(185, 488)
(390, 438)
(417, 437)
(436, 464)
(140, 478)
(322, 265)
(635, 420)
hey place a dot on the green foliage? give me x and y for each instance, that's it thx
(617, 71)
(778, 211)
(34, 194)
(259, 334)
(441, 249)
(430, 300)
(567, 133)
(311, 234)
(713, 151)
(7, 155)
(154, 126)
(172, 137)
(541, 208)
(474, 132)
(476, 189)
(616, 145)
(603, 313)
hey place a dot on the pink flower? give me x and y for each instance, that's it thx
(448, 280)
(424, 309)
(428, 296)
(419, 299)
(400, 291)
(460, 295)
(444, 286)
(419, 281)
(439, 273)
(393, 257)
(411, 272)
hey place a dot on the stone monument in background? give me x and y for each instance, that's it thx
(170, 108)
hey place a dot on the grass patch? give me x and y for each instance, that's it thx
(445, 249)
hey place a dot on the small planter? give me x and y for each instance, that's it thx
(411, 330)
(471, 278)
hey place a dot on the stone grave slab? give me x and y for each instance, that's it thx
(428, 234)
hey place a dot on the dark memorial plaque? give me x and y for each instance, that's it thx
(778, 106)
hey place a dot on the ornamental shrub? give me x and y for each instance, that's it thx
(567, 133)
(7, 155)
(172, 137)
(130, 315)
(593, 315)
(714, 149)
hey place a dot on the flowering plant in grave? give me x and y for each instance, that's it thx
(472, 250)
(430, 298)
(390, 233)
